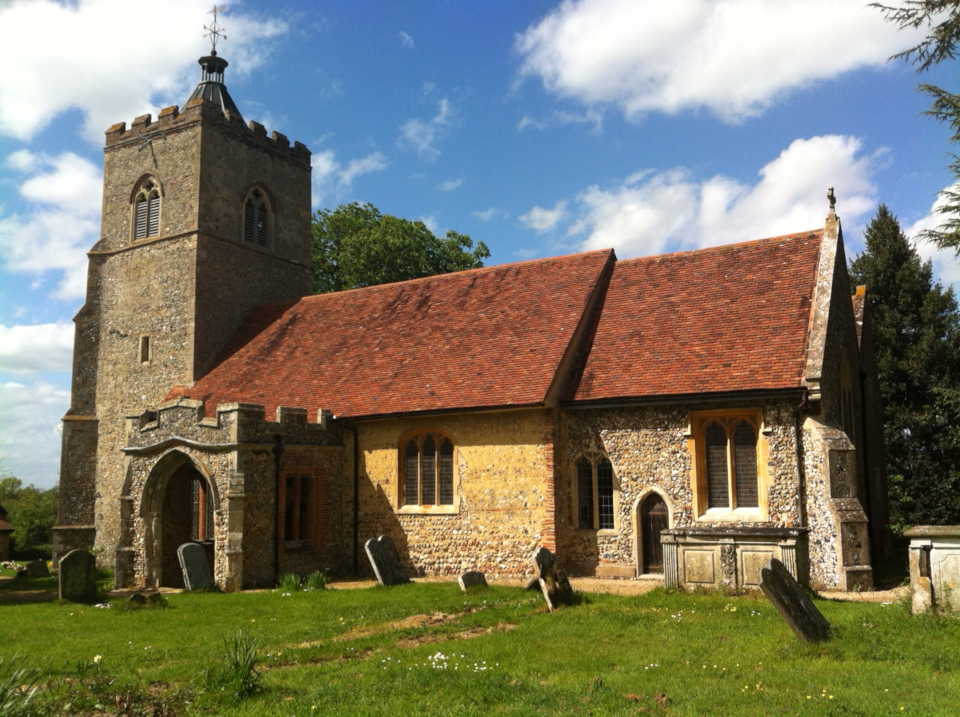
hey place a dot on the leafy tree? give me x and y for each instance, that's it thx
(32, 511)
(916, 330)
(355, 245)
(940, 44)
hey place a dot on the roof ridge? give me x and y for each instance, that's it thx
(722, 247)
(479, 270)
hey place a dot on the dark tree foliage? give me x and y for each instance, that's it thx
(916, 329)
(355, 246)
(942, 17)
(32, 511)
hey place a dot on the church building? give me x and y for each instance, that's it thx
(690, 415)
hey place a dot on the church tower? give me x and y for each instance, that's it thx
(204, 217)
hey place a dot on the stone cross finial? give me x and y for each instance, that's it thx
(215, 32)
(832, 199)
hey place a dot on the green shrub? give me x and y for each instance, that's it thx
(317, 580)
(18, 688)
(238, 673)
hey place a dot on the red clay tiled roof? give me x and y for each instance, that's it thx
(481, 338)
(732, 318)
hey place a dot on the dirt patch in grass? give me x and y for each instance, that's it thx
(408, 623)
(433, 637)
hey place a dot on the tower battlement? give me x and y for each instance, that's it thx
(174, 119)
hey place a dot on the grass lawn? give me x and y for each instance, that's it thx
(428, 649)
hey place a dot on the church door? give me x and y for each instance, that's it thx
(187, 516)
(654, 517)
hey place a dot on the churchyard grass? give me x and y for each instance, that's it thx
(428, 649)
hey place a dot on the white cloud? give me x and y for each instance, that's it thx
(111, 59)
(542, 220)
(652, 212)
(29, 440)
(450, 185)
(590, 116)
(56, 235)
(430, 222)
(405, 39)
(421, 135)
(330, 177)
(734, 57)
(946, 263)
(487, 214)
(40, 347)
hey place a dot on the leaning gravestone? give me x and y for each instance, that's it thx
(385, 561)
(78, 577)
(553, 580)
(792, 603)
(472, 579)
(37, 569)
(196, 570)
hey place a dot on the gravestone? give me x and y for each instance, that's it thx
(553, 580)
(78, 577)
(472, 579)
(792, 603)
(36, 569)
(385, 561)
(196, 569)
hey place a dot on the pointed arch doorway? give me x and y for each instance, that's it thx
(654, 518)
(178, 507)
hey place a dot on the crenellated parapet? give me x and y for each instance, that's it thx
(174, 119)
(183, 422)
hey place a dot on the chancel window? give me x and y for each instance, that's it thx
(427, 470)
(256, 219)
(595, 494)
(146, 210)
(728, 477)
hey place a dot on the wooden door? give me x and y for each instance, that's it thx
(654, 517)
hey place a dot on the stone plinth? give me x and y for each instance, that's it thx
(935, 568)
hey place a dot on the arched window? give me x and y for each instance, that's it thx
(146, 210)
(426, 461)
(595, 494)
(256, 219)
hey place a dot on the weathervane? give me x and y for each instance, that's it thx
(215, 32)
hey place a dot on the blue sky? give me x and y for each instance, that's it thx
(541, 128)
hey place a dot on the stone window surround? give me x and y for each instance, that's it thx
(419, 434)
(594, 456)
(146, 187)
(699, 420)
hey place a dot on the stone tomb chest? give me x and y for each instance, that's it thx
(935, 568)
(730, 558)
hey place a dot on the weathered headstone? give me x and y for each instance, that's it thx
(78, 577)
(196, 569)
(553, 580)
(792, 603)
(385, 561)
(532, 584)
(472, 579)
(37, 569)
(138, 599)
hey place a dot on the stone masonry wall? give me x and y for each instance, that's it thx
(648, 447)
(502, 471)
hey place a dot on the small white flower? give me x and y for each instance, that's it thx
(97, 659)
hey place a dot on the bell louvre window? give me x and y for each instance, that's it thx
(146, 219)
(256, 219)
(428, 472)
